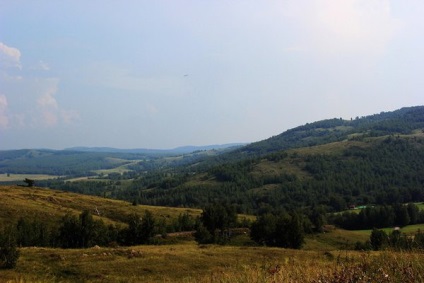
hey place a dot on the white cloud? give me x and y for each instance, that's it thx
(9, 56)
(4, 119)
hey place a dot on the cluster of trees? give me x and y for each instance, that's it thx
(273, 228)
(379, 217)
(84, 231)
(216, 222)
(279, 230)
(395, 240)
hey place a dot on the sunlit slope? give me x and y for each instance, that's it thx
(50, 205)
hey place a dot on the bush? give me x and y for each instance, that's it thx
(9, 255)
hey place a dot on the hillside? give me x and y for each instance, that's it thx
(332, 164)
(376, 159)
(402, 121)
(371, 170)
(51, 205)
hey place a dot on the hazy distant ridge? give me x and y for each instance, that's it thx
(177, 150)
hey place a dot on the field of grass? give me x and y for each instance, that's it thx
(336, 239)
(190, 262)
(420, 205)
(50, 205)
(20, 177)
(119, 169)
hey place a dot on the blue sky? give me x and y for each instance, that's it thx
(162, 74)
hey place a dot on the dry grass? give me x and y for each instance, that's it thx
(192, 263)
(50, 205)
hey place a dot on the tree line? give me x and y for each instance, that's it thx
(379, 217)
(395, 240)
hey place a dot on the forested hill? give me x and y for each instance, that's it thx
(377, 159)
(402, 121)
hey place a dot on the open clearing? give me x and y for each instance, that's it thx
(20, 177)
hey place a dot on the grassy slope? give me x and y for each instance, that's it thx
(192, 263)
(51, 205)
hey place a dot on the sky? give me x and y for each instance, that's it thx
(162, 74)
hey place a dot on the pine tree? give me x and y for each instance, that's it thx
(9, 254)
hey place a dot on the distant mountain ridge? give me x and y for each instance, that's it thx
(177, 150)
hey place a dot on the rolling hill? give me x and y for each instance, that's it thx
(377, 159)
(334, 163)
(50, 206)
(402, 121)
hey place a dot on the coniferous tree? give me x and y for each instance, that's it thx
(217, 219)
(378, 239)
(88, 229)
(147, 227)
(9, 254)
(69, 232)
(133, 233)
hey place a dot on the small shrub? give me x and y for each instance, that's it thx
(9, 256)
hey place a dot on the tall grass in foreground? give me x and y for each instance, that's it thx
(369, 267)
(191, 263)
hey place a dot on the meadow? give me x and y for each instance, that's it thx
(19, 177)
(51, 205)
(189, 262)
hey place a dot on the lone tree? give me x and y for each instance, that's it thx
(29, 182)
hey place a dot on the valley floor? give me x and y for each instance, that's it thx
(189, 262)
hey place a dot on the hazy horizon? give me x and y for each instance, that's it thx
(166, 74)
